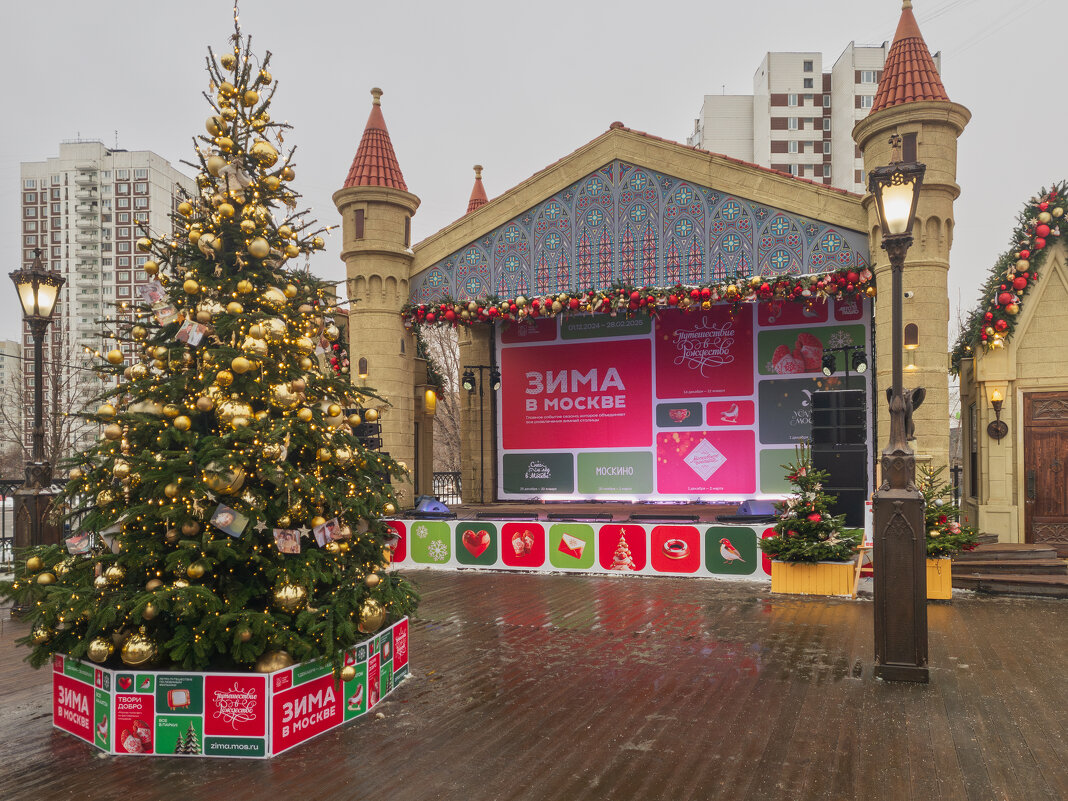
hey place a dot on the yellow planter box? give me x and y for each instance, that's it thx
(940, 579)
(813, 578)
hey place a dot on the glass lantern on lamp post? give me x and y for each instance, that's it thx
(900, 532)
(38, 290)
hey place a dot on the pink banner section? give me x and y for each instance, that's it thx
(706, 462)
(706, 353)
(577, 395)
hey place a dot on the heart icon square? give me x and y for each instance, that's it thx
(125, 682)
(476, 542)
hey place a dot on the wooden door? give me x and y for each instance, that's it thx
(1046, 469)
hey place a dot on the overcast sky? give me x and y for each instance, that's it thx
(511, 86)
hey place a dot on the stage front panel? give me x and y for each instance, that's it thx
(704, 404)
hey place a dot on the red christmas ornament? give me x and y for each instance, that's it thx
(450, 315)
(988, 316)
(852, 277)
(430, 317)
(706, 293)
(1043, 206)
(573, 303)
(493, 311)
(1042, 230)
(814, 517)
(1024, 254)
(635, 296)
(1001, 325)
(1005, 298)
(673, 300)
(534, 304)
(695, 294)
(1019, 282)
(1040, 243)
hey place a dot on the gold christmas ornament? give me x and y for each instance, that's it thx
(274, 297)
(195, 571)
(239, 364)
(371, 415)
(285, 232)
(275, 330)
(247, 226)
(244, 635)
(272, 661)
(224, 378)
(226, 210)
(305, 363)
(105, 497)
(244, 286)
(318, 243)
(171, 491)
(139, 332)
(224, 480)
(153, 585)
(372, 580)
(115, 574)
(389, 509)
(290, 597)
(305, 415)
(283, 397)
(205, 404)
(233, 307)
(190, 286)
(34, 563)
(257, 347)
(114, 356)
(343, 454)
(225, 143)
(331, 332)
(332, 547)
(150, 611)
(75, 474)
(100, 582)
(144, 244)
(284, 521)
(271, 451)
(171, 535)
(348, 673)
(372, 616)
(250, 98)
(233, 412)
(264, 151)
(228, 61)
(354, 420)
(100, 650)
(272, 182)
(318, 520)
(138, 371)
(216, 126)
(149, 407)
(259, 248)
(121, 469)
(106, 410)
(288, 173)
(291, 251)
(181, 584)
(40, 635)
(182, 423)
(138, 649)
(190, 527)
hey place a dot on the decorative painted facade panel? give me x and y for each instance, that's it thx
(625, 224)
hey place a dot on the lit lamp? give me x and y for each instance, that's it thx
(38, 290)
(430, 401)
(900, 533)
(361, 369)
(998, 428)
(912, 341)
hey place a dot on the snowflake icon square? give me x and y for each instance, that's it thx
(705, 459)
(431, 542)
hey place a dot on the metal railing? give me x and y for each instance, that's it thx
(446, 488)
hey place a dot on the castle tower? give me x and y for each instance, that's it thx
(376, 210)
(912, 102)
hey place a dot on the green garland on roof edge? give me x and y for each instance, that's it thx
(993, 321)
(631, 300)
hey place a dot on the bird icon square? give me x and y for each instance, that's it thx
(731, 550)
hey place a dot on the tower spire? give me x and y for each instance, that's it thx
(375, 163)
(478, 192)
(910, 74)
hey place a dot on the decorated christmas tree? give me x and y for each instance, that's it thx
(191, 743)
(230, 516)
(945, 535)
(806, 530)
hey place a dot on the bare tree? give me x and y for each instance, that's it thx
(442, 347)
(68, 387)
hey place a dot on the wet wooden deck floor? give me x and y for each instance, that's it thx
(585, 687)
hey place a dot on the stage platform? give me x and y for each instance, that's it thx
(609, 512)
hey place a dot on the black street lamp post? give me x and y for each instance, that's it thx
(38, 290)
(469, 383)
(900, 537)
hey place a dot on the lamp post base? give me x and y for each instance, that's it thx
(30, 504)
(914, 673)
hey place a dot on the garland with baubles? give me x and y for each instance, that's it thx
(632, 301)
(1039, 228)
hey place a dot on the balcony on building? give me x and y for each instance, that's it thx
(86, 179)
(89, 237)
(86, 193)
(89, 209)
(87, 223)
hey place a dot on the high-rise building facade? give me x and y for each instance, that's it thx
(799, 118)
(85, 210)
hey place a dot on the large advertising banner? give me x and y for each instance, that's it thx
(705, 404)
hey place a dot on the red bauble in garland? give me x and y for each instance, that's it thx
(988, 316)
(1042, 230)
(1005, 298)
(1019, 282)
(1040, 243)
(1001, 325)
(814, 517)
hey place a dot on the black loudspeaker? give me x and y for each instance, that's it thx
(839, 447)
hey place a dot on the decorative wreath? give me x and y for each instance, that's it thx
(992, 323)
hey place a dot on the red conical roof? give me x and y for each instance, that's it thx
(375, 163)
(478, 192)
(909, 74)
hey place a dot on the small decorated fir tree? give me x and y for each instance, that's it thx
(229, 517)
(806, 531)
(945, 535)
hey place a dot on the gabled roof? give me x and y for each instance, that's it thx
(375, 163)
(909, 74)
(478, 192)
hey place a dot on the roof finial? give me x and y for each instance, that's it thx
(376, 93)
(478, 171)
(906, 5)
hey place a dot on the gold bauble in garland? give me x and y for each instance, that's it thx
(34, 563)
(115, 574)
(185, 208)
(283, 397)
(331, 332)
(205, 404)
(323, 454)
(150, 611)
(372, 580)
(284, 521)
(354, 420)
(332, 547)
(121, 469)
(272, 661)
(224, 378)
(138, 371)
(114, 356)
(305, 363)
(75, 474)
(46, 578)
(225, 143)
(171, 490)
(275, 330)
(259, 248)
(290, 597)
(244, 635)
(316, 521)
(233, 307)
(372, 616)
(291, 251)
(182, 423)
(190, 528)
(195, 571)
(138, 649)
(348, 673)
(220, 479)
(139, 332)
(180, 584)
(226, 210)
(228, 62)
(233, 412)
(298, 385)
(250, 98)
(389, 509)
(40, 635)
(305, 415)
(171, 535)
(100, 650)
(343, 454)
(190, 286)
(171, 410)
(272, 451)
(153, 584)
(144, 244)
(285, 232)
(104, 497)
(274, 297)
(239, 364)
(318, 243)
(216, 126)
(100, 582)
(244, 286)
(288, 173)
(113, 432)
(255, 346)
(371, 415)
(264, 151)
